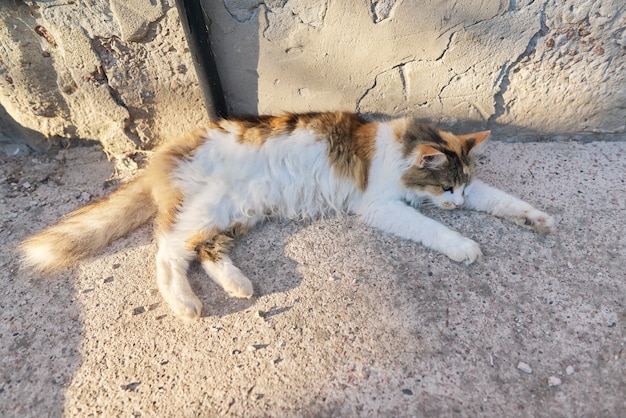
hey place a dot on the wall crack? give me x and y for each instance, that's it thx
(401, 76)
(502, 81)
(447, 48)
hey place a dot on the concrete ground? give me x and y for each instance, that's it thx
(347, 321)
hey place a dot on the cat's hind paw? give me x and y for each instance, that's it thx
(536, 220)
(239, 287)
(230, 278)
(185, 306)
(463, 250)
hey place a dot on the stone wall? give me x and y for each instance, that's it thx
(114, 71)
(119, 71)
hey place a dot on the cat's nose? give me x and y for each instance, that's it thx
(459, 202)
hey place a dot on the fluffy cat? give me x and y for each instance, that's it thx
(215, 184)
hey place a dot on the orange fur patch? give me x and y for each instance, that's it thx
(214, 244)
(209, 245)
(351, 144)
(452, 141)
(167, 197)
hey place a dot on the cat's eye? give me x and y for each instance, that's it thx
(448, 189)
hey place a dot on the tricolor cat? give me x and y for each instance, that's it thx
(206, 188)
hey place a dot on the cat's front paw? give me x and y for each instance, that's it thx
(536, 220)
(463, 250)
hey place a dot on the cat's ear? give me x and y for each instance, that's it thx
(429, 157)
(474, 143)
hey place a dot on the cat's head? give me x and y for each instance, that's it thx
(440, 163)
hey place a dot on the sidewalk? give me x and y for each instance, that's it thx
(347, 321)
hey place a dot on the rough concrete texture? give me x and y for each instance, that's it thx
(347, 321)
(519, 67)
(114, 71)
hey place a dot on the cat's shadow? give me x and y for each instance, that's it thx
(261, 256)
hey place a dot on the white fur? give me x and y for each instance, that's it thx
(42, 255)
(227, 275)
(485, 198)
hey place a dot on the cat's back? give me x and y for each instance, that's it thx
(266, 143)
(294, 141)
(296, 159)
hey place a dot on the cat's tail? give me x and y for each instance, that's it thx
(89, 229)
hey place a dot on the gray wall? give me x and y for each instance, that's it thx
(521, 67)
(119, 71)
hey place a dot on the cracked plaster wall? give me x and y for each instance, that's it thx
(116, 71)
(522, 67)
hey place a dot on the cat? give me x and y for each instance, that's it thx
(214, 184)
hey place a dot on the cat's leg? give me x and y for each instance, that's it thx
(173, 258)
(212, 248)
(398, 218)
(485, 198)
(229, 277)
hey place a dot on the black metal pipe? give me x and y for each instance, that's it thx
(196, 26)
